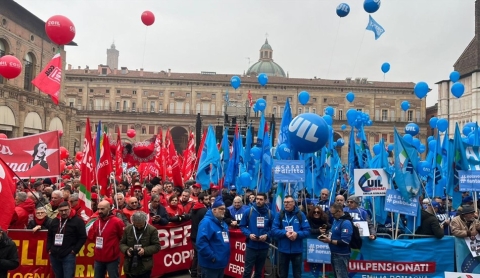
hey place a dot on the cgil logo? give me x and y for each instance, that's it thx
(301, 125)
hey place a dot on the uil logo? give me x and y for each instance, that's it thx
(370, 181)
(304, 128)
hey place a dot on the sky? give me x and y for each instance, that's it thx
(422, 39)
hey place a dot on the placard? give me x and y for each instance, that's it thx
(289, 170)
(394, 202)
(370, 182)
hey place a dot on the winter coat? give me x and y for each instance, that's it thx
(213, 249)
(198, 212)
(74, 236)
(8, 256)
(23, 213)
(300, 226)
(44, 226)
(248, 225)
(430, 225)
(112, 232)
(460, 227)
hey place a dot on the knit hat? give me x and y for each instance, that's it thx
(47, 181)
(218, 202)
(354, 198)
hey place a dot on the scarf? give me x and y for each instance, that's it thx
(39, 222)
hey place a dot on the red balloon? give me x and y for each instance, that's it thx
(63, 153)
(62, 165)
(148, 18)
(3, 136)
(10, 66)
(131, 133)
(60, 29)
(60, 133)
(79, 156)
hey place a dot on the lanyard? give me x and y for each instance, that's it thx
(100, 231)
(135, 233)
(288, 221)
(61, 227)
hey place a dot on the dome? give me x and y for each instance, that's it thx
(266, 46)
(270, 68)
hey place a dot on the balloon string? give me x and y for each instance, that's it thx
(358, 53)
(144, 45)
(334, 46)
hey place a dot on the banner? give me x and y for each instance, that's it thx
(289, 170)
(394, 202)
(460, 275)
(370, 182)
(317, 251)
(464, 260)
(176, 252)
(469, 180)
(237, 254)
(34, 156)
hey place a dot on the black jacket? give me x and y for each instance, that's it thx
(198, 212)
(74, 236)
(430, 226)
(163, 215)
(45, 226)
(8, 256)
(228, 199)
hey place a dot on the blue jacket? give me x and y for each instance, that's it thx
(342, 231)
(302, 228)
(248, 225)
(211, 244)
(236, 214)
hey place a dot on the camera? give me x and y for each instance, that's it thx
(134, 253)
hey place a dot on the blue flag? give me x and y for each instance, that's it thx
(381, 161)
(353, 161)
(267, 164)
(406, 160)
(459, 161)
(375, 27)
(209, 164)
(225, 151)
(283, 137)
(261, 130)
(232, 169)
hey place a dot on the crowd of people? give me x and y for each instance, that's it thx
(123, 225)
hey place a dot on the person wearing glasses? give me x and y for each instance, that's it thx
(290, 227)
(318, 219)
(256, 225)
(132, 206)
(40, 220)
(359, 214)
(213, 241)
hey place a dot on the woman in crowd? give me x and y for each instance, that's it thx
(318, 219)
(174, 210)
(40, 220)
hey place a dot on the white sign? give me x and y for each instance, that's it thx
(362, 227)
(370, 182)
(460, 275)
(473, 245)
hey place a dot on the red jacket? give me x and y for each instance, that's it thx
(178, 211)
(111, 234)
(23, 212)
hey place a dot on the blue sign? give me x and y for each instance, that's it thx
(317, 251)
(289, 170)
(469, 180)
(394, 202)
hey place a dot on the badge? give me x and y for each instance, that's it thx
(260, 222)
(289, 228)
(58, 240)
(225, 237)
(137, 246)
(99, 243)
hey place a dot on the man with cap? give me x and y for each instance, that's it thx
(213, 241)
(465, 224)
(359, 214)
(196, 189)
(214, 190)
(429, 225)
(234, 213)
(8, 254)
(38, 188)
(229, 196)
(137, 191)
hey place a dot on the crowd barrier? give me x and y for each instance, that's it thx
(415, 258)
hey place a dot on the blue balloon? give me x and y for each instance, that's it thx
(260, 104)
(262, 79)
(303, 97)
(284, 151)
(442, 125)
(235, 81)
(433, 122)
(343, 10)
(256, 153)
(408, 138)
(422, 148)
(390, 147)
(328, 119)
(405, 105)
(471, 138)
(352, 116)
(454, 76)
(430, 138)
(457, 89)
(254, 108)
(424, 168)
(329, 111)
(308, 133)
(371, 6)
(377, 149)
(432, 145)
(369, 123)
(343, 127)
(340, 142)
(412, 129)
(334, 145)
(465, 140)
(385, 67)
(468, 128)
(350, 97)
(245, 179)
(416, 143)
(421, 89)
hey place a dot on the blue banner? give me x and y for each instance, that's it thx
(469, 180)
(289, 170)
(464, 260)
(394, 202)
(317, 251)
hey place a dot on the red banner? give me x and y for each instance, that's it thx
(237, 254)
(34, 156)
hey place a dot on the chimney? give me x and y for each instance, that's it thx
(169, 72)
(69, 66)
(115, 71)
(141, 71)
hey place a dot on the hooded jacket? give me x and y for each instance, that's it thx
(300, 226)
(8, 256)
(74, 235)
(23, 212)
(198, 213)
(111, 230)
(248, 225)
(213, 249)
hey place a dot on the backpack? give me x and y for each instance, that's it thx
(356, 240)
(282, 215)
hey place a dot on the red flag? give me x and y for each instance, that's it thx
(104, 167)
(118, 157)
(145, 201)
(189, 158)
(250, 100)
(7, 192)
(159, 153)
(49, 80)
(87, 168)
(173, 159)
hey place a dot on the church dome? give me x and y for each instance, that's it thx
(266, 64)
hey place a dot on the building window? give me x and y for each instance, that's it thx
(384, 137)
(125, 105)
(314, 99)
(29, 69)
(391, 138)
(340, 114)
(199, 95)
(152, 106)
(80, 90)
(134, 92)
(151, 129)
(91, 90)
(134, 106)
(274, 98)
(172, 94)
(77, 128)
(117, 105)
(213, 96)
(359, 109)
(188, 95)
(145, 93)
(290, 99)
(410, 115)
(118, 91)
(274, 110)
(314, 110)
(124, 128)
(144, 130)
(377, 138)
(107, 91)
(160, 94)
(264, 97)
(384, 115)
(324, 100)
(299, 110)
(104, 71)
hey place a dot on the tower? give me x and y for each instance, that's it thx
(112, 57)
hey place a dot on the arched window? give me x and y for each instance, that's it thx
(3, 52)
(29, 67)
